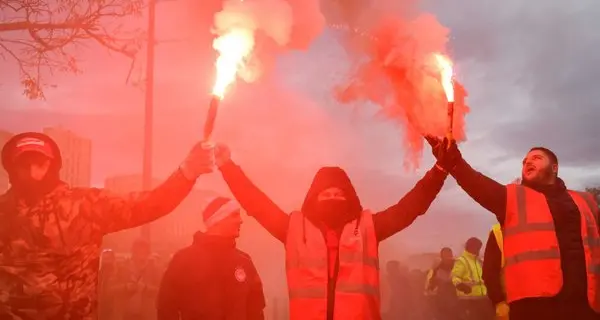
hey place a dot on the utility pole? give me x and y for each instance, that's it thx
(149, 109)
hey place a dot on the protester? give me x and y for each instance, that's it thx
(400, 294)
(106, 285)
(331, 244)
(51, 234)
(212, 279)
(467, 278)
(138, 279)
(493, 273)
(551, 238)
(440, 289)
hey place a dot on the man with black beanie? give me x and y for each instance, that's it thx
(212, 279)
(51, 234)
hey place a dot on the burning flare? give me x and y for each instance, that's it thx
(445, 65)
(234, 48)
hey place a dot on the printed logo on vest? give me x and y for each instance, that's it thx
(240, 274)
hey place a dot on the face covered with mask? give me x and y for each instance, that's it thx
(32, 161)
(331, 199)
(332, 205)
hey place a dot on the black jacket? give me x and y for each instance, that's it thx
(211, 280)
(492, 270)
(567, 220)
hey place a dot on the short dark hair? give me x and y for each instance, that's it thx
(548, 153)
(473, 244)
(445, 249)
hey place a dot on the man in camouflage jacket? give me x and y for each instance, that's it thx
(50, 233)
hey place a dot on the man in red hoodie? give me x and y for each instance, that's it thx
(332, 243)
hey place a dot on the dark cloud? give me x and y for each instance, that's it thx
(532, 73)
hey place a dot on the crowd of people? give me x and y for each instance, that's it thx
(542, 260)
(129, 283)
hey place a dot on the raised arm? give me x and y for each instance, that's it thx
(413, 204)
(114, 212)
(256, 203)
(488, 193)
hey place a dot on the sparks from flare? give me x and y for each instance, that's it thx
(233, 47)
(445, 65)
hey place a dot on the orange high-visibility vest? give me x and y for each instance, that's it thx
(531, 250)
(357, 287)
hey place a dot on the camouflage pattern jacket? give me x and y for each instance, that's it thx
(49, 251)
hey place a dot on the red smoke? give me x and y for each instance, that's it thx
(276, 26)
(401, 77)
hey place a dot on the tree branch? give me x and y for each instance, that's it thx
(40, 36)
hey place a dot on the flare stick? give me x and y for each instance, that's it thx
(211, 117)
(450, 121)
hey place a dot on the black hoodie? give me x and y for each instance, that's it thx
(386, 223)
(326, 178)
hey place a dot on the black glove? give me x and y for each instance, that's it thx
(464, 288)
(446, 152)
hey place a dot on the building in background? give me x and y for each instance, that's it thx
(76, 152)
(169, 233)
(4, 184)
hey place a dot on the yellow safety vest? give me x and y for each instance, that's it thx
(468, 270)
(497, 230)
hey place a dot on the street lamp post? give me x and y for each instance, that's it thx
(149, 109)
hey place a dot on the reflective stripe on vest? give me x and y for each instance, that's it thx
(321, 293)
(345, 257)
(531, 247)
(357, 283)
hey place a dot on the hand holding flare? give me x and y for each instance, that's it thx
(448, 85)
(446, 151)
(233, 47)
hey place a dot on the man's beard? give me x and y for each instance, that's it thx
(541, 178)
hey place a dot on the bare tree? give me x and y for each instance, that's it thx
(42, 36)
(595, 191)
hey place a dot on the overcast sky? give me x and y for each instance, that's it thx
(530, 68)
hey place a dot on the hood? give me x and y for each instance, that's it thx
(325, 178)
